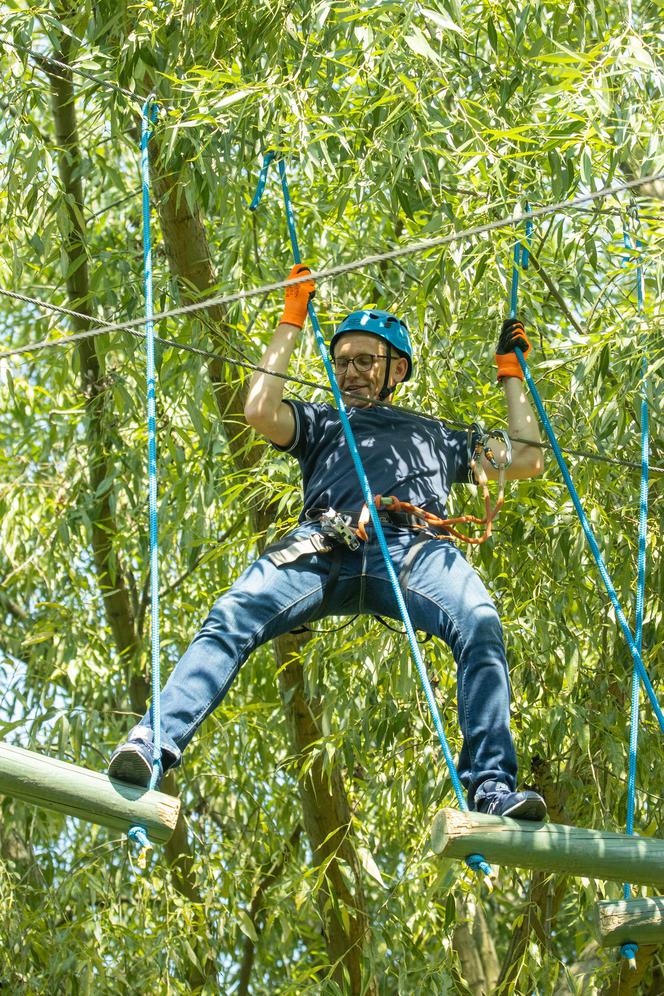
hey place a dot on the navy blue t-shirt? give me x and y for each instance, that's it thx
(415, 458)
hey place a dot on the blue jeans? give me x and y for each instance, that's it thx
(445, 597)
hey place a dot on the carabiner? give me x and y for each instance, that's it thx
(488, 451)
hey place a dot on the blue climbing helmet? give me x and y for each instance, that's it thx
(383, 324)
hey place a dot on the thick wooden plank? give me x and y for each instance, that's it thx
(550, 847)
(640, 921)
(87, 795)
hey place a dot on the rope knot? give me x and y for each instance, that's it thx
(629, 951)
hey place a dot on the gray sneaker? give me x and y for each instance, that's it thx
(497, 799)
(132, 762)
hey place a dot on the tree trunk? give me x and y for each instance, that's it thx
(326, 812)
(327, 820)
(109, 572)
(189, 260)
(474, 945)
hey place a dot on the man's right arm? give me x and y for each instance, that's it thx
(265, 410)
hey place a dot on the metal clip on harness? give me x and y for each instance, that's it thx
(337, 527)
(488, 451)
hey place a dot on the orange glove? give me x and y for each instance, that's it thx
(297, 297)
(512, 336)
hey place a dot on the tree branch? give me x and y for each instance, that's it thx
(555, 293)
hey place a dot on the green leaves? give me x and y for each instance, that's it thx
(442, 20)
(419, 44)
(246, 925)
(398, 122)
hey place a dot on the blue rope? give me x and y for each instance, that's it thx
(150, 111)
(262, 180)
(149, 116)
(139, 836)
(474, 860)
(628, 950)
(521, 257)
(585, 525)
(634, 645)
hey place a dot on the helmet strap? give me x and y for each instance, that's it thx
(386, 390)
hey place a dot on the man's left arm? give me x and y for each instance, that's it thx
(527, 459)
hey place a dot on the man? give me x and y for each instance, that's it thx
(315, 571)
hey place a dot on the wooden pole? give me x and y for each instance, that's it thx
(640, 921)
(549, 847)
(87, 795)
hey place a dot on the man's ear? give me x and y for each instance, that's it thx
(399, 369)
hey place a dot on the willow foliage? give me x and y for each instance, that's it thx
(399, 121)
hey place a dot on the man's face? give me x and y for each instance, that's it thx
(365, 382)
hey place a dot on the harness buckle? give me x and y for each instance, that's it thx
(337, 527)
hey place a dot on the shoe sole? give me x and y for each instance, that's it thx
(528, 809)
(128, 765)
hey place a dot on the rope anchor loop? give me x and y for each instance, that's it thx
(138, 835)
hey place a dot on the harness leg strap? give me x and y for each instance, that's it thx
(333, 576)
(414, 551)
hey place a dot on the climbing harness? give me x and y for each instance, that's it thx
(476, 862)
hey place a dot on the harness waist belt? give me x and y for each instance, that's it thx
(394, 518)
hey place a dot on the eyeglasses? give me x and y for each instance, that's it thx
(363, 362)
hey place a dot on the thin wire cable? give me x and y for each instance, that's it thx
(335, 271)
(246, 364)
(641, 578)
(41, 61)
(140, 333)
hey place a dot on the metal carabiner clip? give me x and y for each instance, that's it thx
(488, 451)
(337, 527)
(475, 431)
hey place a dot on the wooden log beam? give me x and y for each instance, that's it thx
(640, 921)
(86, 795)
(549, 847)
